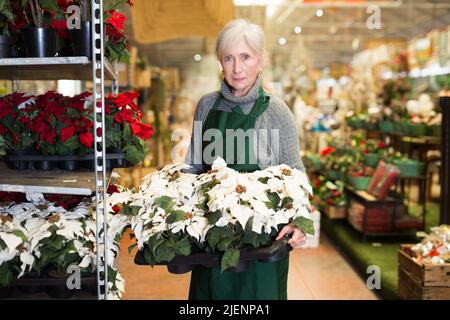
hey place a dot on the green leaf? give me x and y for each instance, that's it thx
(213, 217)
(72, 143)
(133, 154)
(127, 132)
(306, 225)
(263, 180)
(216, 234)
(175, 216)
(224, 244)
(286, 202)
(165, 253)
(229, 259)
(131, 247)
(6, 276)
(183, 247)
(149, 256)
(166, 203)
(274, 199)
(20, 234)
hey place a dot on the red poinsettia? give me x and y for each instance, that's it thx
(325, 152)
(117, 20)
(61, 28)
(142, 130)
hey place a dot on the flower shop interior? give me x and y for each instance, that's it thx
(92, 153)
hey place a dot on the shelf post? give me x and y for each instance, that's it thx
(98, 77)
(444, 102)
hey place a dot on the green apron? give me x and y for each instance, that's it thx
(261, 281)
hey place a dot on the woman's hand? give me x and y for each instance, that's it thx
(298, 236)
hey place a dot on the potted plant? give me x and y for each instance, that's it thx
(333, 195)
(359, 176)
(7, 17)
(39, 37)
(128, 133)
(81, 35)
(373, 151)
(409, 167)
(15, 128)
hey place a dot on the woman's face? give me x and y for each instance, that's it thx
(241, 66)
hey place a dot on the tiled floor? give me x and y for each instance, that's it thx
(320, 273)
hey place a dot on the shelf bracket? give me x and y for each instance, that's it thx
(98, 76)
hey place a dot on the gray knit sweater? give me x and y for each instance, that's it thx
(284, 148)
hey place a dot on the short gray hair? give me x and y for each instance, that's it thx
(239, 29)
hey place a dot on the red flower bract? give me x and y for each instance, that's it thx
(87, 139)
(67, 133)
(326, 151)
(142, 130)
(117, 20)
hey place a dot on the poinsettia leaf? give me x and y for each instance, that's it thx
(175, 216)
(274, 199)
(149, 256)
(166, 203)
(20, 234)
(131, 247)
(165, 253)
(6, 276)
(126, 132)
(72, 143)
(229, 259)
(213, 217)
(307, 225)
(183, 247)
(133, 154)
(287, 201)
(224, 244)
(263, 180)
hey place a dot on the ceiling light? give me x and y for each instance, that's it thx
(282, 41)
(197, 57)
(319, 13)
(298, 29)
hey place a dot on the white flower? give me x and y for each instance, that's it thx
(218, 164)
(241, 213)
(11, 240)
(27, 260)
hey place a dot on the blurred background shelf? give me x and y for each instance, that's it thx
(52, 68)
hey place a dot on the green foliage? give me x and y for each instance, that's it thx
(306, 225)
(229, 259)
(6, 18)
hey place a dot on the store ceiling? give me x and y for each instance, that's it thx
(323, 40)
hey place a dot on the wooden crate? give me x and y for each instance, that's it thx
(334, 212)
(422, 281)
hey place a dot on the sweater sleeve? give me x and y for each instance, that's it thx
(194, 153)
(289, 137)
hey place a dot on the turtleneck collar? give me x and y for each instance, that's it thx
(251, 96)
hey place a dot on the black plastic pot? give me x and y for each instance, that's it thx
(40, 42)
(18, 164)
(69, 165)
(58, 291)
(44, 165)
(6, 292)
(5, 47)
(30, 289)
(82, 40)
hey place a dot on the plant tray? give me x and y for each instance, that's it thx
(183, 264)
(68, 163)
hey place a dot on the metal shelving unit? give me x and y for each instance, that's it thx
(80, 183)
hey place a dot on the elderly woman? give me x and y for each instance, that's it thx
(241, 103)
